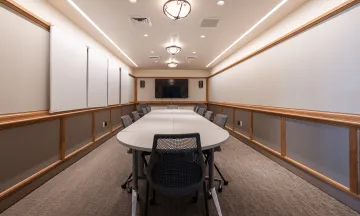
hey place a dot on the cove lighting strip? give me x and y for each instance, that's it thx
(250, 30)
(72, 3)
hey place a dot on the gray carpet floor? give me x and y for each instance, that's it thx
(258, 186)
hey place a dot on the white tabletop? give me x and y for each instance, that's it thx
(141, 133)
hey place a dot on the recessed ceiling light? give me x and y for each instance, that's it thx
(99, 30)
(152, 51)
(250, 30)
(133, 1)
(202, 36)
(146, 35)
(189, 61)
(220, 3)
(194, 52)
(156, 61)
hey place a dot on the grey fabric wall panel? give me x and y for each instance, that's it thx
(78, 132)
(100, 117)
(230, 113)
(266, 130)
(116, 117)
(244, 117)
(25, 64)
(323, 148)
(26, 150)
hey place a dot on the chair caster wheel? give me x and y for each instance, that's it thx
(129, 189)
(226, 182)
(220, 188)
(152, 201)
(123, 186)
(209, 195)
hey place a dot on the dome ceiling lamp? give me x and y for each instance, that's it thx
(172, 64)
(177, 9)
(173, 49)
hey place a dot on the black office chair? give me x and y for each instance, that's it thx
(208, 115)
(196, 109)
(126, 121)
(173, 107)
(135, 115)
(176, 167)
(148, 109)
(144, 110)
(220, 120)
(201, 111)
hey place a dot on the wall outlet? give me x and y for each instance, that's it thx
(104, 124)
(239, 123)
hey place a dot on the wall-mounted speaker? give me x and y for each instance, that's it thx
(201, 84)
(142, 83)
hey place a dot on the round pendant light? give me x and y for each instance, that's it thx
(177, 9)
(172, 64)
(173, 49)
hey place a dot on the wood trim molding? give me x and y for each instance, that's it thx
(162, 77)
(26, 13)
(283, 135)
(299, 165)
(353, 160)
(331, 13)
(20, 119)
(340, 119)
(171, 102)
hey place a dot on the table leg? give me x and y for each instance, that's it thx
(211, 182)
(134, 182)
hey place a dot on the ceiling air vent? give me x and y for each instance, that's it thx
(154, 57)
(140, 21)
(209, 22)
(190, 58)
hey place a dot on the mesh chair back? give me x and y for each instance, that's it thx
(135, 115)
(126, 121)
(201, 111)
(176, 166)
(196, 109)
(208, 115)
(144, 110)
(173, 107)
(148, 109)
(220, 120)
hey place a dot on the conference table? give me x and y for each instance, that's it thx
(139, 137)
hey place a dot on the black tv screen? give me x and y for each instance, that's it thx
(171, 88)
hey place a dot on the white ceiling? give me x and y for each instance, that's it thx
(236, 17)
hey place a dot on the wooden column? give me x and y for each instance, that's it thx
(283, 135)
(353, 160)
(135, 90)
(62, 138)
(251, 125)
(207, 90)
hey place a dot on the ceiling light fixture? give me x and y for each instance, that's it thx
(173, 49)
(152, 52)
(172, 64)
(132, 1)
(194, 52)
(202, 36)
(220, 3)
(146, 35)
(101, 31)
(250, 30)
(177, 9)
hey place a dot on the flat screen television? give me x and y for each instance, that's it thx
(171, 88)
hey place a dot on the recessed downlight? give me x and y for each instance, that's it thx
(220, 3)
(132, 1)
(152, 52)
(194, 52)
(146, 35)
(202, 36)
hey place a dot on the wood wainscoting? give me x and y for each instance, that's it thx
(350, 122)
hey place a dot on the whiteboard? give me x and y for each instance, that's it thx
(316, 70)
(97, 79)
(114, 83)
(68, 63)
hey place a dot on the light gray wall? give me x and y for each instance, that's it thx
(78, 132)
(244, 117)
(266, 130)
(24, 65)
(100, 117)
(116, 117)
(323, 148)
(26, 150)
(230, 114)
